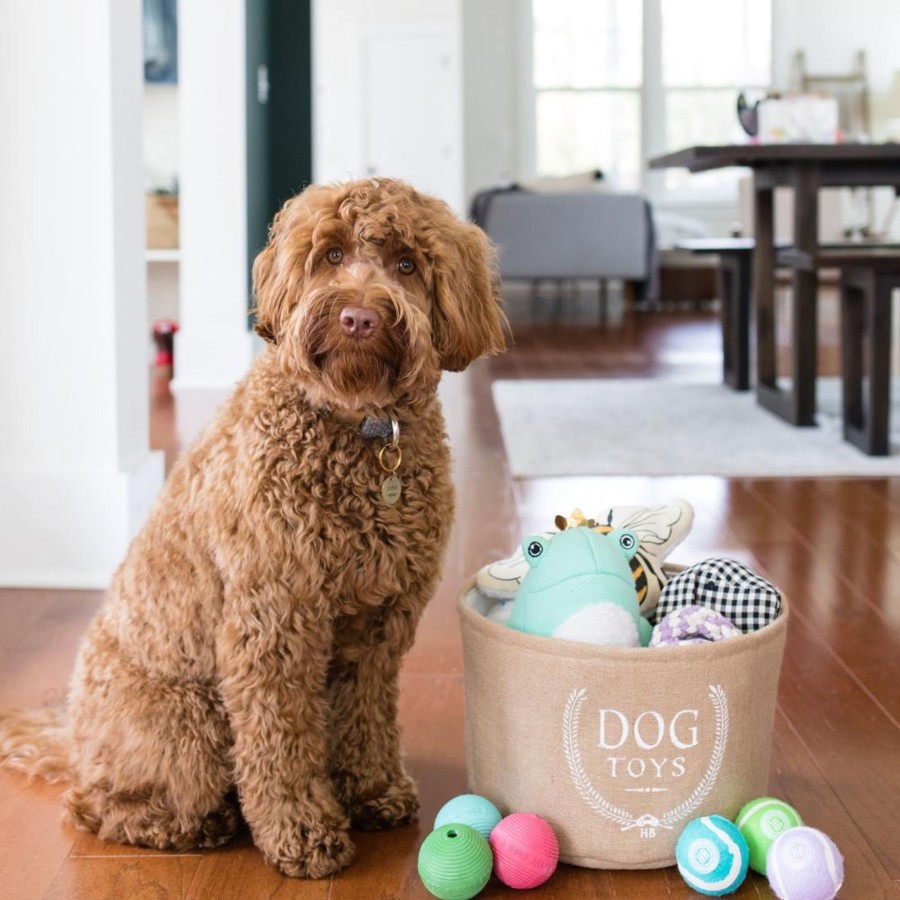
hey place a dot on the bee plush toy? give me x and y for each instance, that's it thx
(659, 530)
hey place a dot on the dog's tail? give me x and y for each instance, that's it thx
(36, 742)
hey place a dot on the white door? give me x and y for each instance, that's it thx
(412, 111)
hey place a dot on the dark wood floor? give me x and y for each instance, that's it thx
(832, 544)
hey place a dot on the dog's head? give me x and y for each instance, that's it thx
(369, 289)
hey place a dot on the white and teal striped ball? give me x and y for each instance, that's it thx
(712, 856)
(804, 864)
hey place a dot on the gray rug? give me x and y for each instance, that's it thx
(650, 427)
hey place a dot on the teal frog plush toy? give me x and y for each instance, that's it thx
(579, 587)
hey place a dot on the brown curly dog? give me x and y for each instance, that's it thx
(247, 653)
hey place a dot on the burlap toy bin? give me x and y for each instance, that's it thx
(617, 748)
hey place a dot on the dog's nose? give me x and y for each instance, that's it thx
(359, 322)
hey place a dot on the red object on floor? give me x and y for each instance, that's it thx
(163, 335)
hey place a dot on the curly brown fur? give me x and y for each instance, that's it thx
(248, 649)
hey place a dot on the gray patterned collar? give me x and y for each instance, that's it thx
(386, 429)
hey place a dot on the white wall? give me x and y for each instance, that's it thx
(76, 474)
(214, 347)
(496, 92)
(495, 89)
(160, 135)
(830, 32)
(340, 31)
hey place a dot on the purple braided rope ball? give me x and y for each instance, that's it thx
(693, 625)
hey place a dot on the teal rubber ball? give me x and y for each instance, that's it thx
(712, 856)
(472, 810)
(455, 862)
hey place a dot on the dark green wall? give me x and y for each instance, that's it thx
(290, 100)
(258, 131)
(279, 130)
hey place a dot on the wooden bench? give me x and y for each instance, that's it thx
(735, 269)
(868, 277)
(735, 292)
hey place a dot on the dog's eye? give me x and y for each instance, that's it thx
(335, 255)
(406, 266)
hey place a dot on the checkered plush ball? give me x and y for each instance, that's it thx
(726, 586)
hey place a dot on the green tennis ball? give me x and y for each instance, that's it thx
(760, 822)
(455, 862)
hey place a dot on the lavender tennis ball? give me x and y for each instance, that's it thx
(712, 856)
(761, 822)
(472, 810)
(455, 862)
(804, 864)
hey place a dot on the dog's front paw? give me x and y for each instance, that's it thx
(311, 852)
(395, 805)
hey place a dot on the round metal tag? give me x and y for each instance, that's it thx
(391, 489)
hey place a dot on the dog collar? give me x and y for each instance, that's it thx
(386, 429)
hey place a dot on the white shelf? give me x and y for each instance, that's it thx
(172, 255)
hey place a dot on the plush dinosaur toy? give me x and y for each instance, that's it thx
(579, 587)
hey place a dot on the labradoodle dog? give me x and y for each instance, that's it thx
(246, 657)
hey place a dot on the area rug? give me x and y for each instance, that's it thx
(652, 427)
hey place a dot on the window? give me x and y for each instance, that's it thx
(619, 81)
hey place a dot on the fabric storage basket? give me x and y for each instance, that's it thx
(617, 748)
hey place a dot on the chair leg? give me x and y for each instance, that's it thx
(734, 294)
(852, 353)
(878, 327)
(866, 358)
(557, 299)
(533, 297)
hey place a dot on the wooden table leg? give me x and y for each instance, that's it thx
(796, 404)
(853, 343)
(734, 292)
(805, 305)
(878, 324)
(764, 288)
(866, 357)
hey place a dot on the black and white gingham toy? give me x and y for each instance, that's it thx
(728, 587)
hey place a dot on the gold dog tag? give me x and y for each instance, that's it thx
(391, 489)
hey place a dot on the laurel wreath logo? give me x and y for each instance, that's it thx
(647, 822)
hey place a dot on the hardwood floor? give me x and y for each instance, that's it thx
(833, 545)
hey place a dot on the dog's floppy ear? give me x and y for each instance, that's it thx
(468, 320)
(278, 269)
(266, 298)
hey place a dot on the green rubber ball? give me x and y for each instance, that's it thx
(760, 822)
(455, 862)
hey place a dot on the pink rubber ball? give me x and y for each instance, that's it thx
(526, 851)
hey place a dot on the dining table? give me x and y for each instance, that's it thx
(806, 168)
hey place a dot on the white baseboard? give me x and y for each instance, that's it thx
(71, 528)
(55, 581)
